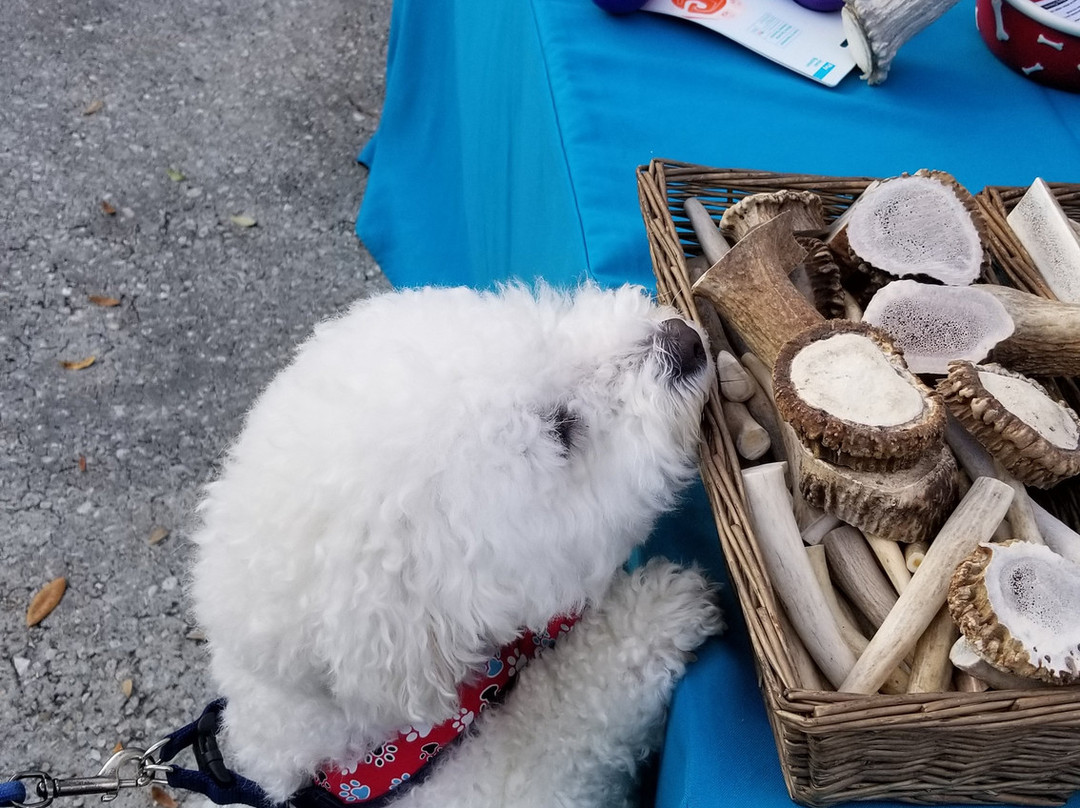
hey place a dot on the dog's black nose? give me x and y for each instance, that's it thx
(683, 345)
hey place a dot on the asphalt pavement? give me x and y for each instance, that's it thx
(178, 190)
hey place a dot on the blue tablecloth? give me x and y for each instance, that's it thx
(508, 145)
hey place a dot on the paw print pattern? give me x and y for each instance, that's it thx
(397, 781)
(414, 733)
(542, 640)
(463, 719)
(489, 696)
(381, 755)
(353, 791)
(515, 661)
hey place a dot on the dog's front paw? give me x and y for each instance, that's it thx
(673, 609)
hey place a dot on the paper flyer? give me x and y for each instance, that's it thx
(809, 42)
(1066, 9)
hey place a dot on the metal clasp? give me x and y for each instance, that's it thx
(143, 769)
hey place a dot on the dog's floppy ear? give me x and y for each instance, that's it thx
(565, 426)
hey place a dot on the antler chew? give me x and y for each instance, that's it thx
(847, 392)
(806, 207)
(1043, 228)
(931, 668)
(875, 30)
(921, 224)
(935, 324)
(973, 521)
(855, 570)
(1046, 336)
(1035, 437)
(750, 288)
(790, 571)
(1018, 604)
(905, 506)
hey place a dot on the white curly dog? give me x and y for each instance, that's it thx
(437, 471)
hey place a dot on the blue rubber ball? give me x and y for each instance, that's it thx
(620, 6)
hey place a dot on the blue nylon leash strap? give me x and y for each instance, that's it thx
(213, 778)
(12, 792)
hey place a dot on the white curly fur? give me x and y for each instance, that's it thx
(436, 470)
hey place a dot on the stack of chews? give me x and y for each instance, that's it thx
(892, 387)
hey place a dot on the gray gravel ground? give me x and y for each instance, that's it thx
(131, 135)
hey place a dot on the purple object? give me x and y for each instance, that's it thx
(821, 5)
(620, 6)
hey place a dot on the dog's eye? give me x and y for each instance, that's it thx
(565, 427)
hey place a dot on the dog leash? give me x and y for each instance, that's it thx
(134, 767)
(138, 768)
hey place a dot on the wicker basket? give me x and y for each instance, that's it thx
(1018, 747)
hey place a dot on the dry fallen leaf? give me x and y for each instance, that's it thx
(157, 535)
(103, 300)
(107, 208)
(127, 687)
(118, 748)
(175, 174)
(162, 798)
(95, 106)
(82, 463)
(81, 364)
(243, 221)
(46, 599)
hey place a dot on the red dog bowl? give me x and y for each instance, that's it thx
(1034, 39)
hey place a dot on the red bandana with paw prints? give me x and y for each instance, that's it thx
(400, 759)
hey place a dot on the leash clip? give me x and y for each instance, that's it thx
(108, 782)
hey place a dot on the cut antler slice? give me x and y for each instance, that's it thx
(921, 224)
(1018, 604)
(905, 506)
(1033, 436)
(934, 324)
(847, 393)
(1043, 228)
